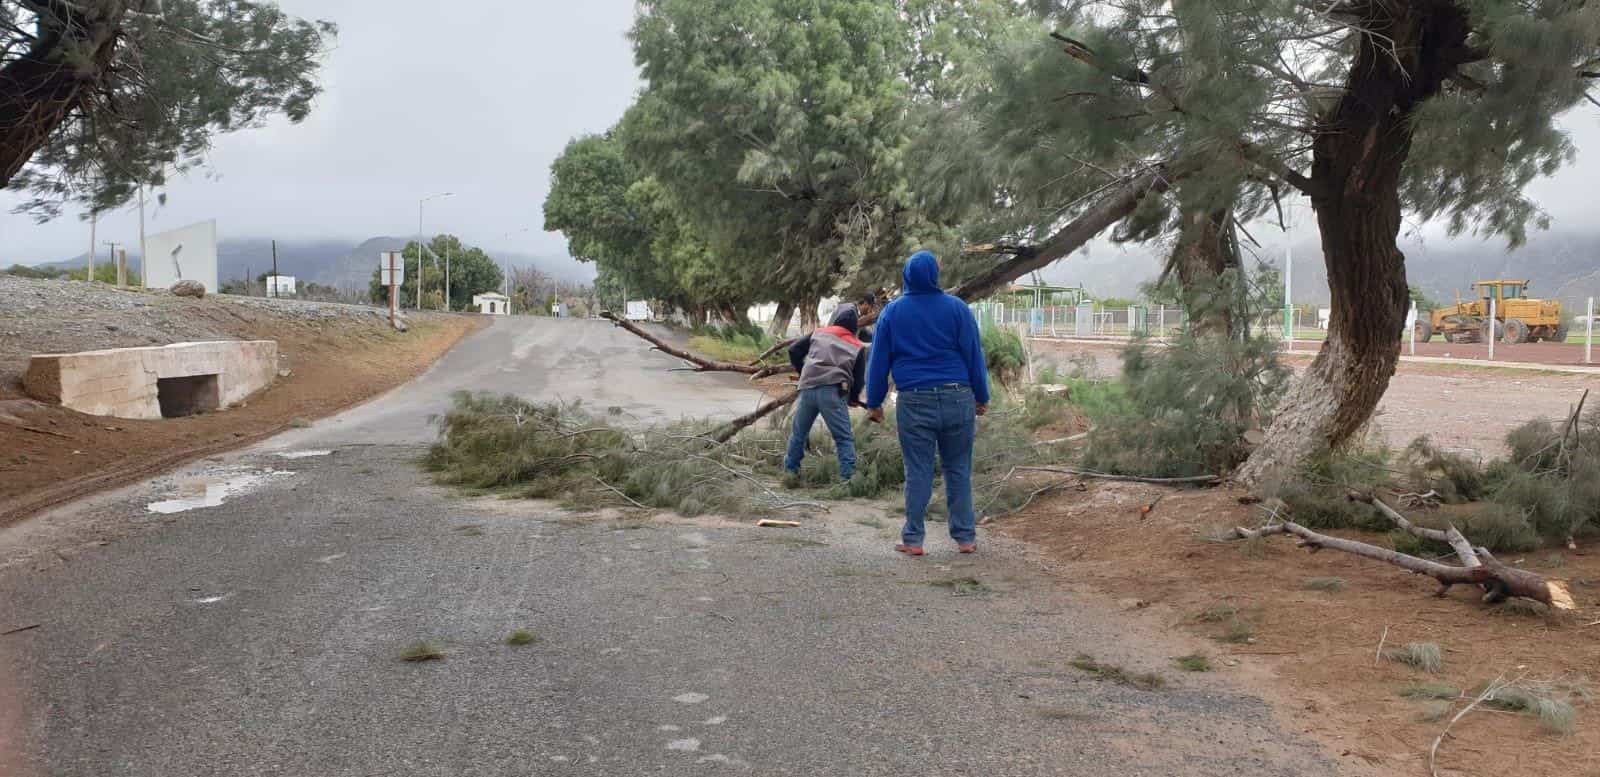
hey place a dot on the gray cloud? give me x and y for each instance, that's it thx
(479, 103)
(418, 100)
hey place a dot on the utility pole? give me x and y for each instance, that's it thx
(94, 221)
(420, 238)
(121, 262)
(272, 286)
(144, 259)
(447, 277)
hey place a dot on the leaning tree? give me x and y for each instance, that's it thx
(101, 97)
(1370, 109)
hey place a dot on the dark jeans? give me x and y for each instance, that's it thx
(828, 402)
(942, 419)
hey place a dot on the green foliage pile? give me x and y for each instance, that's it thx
(1004, 353)
(502, 444)
(1546, 490)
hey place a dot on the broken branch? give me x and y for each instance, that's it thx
(1085, 473)
(701, 364)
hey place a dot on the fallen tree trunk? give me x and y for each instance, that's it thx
(1497, 579)
(732, 428)
(701, 364)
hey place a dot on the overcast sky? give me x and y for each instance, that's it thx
(420, 101)
(420, 98)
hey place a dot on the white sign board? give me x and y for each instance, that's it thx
(391, 261)
(638, 310)
(183, 254)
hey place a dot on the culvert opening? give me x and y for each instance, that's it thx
(187, 395)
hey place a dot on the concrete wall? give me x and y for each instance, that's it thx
(121, 382)
(183, 254)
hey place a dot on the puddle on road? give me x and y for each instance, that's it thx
(302, 454)
(213, 488)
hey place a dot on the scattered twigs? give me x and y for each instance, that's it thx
(20, 629)
(36, 430)
(1378, 656)
(618, 492)
(1085, 473)
(777, 500)
(700, 363)
(1495, 686)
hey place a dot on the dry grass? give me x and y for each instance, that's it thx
(1425, 656)
(1219, 612)
(1323, 584)
(1548, 701)
(1194, 662)
(1147, 681)
(961, 586)
(417, 652)
(522, 637)
(1238, 630)
(1431, 691)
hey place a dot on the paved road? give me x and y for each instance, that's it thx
(261, 636)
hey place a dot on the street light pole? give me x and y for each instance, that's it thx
(510, 288)
(420, 244)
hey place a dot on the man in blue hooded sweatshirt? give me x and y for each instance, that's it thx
(928, 340)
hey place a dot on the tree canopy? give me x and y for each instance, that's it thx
(471, 272)
(100, 97)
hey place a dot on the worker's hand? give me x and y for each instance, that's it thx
(983, 409)
(875, 415)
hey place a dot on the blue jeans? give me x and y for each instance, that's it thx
(942, 419)
(828, 402)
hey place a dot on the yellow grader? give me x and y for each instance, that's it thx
(1518, 317)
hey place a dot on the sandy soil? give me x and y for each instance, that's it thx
(49, 455)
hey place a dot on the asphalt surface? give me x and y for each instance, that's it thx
(262, 635)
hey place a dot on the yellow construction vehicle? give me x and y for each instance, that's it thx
(1518, 317)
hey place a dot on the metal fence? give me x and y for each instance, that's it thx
(1306, 329)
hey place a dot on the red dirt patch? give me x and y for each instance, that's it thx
(1318, 648)
(49, 455)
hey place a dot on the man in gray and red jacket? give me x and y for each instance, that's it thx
(833, 368)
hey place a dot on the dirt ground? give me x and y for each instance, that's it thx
(1461, 408)
(1526, 353)
(1314, 653)
(336, 357)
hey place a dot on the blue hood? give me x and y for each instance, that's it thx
(921, 275)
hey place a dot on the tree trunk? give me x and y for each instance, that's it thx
(1358, 157)
(808, 314)
(779, 328)
(1200, 259)
(42, 87)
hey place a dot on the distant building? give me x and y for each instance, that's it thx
(492, 303)
(280, 285)
(559, 310)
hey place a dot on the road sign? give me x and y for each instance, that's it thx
(391, 269)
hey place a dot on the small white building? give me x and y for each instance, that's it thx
(280, 285)
(492, 303)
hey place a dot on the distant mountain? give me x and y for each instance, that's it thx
(1564, 265)
(340, 263)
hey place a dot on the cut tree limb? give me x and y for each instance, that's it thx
(1499, 579)
(732, 428)
(701, 364)
(1449, 535)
